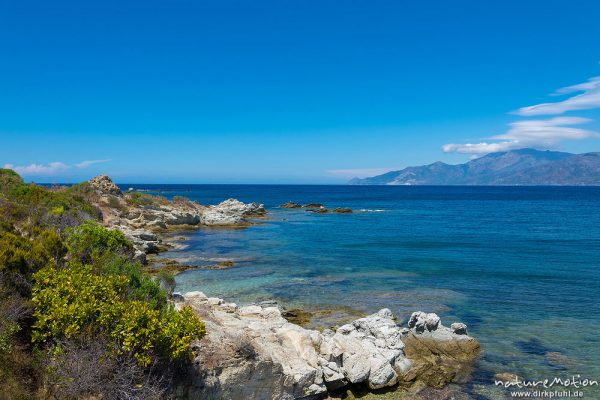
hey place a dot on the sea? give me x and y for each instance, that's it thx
(519, 265)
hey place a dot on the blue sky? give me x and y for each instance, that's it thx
(289, 91)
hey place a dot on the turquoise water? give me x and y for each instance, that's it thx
(519, 265)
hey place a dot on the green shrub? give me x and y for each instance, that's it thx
(113, 202)
(20, 254)
(8, 329)
(178, 330)
(144, 199)
(166, 280)
(65, 279)
(72, 300)
(9, 179)
(139, 285)
(43, 201)
(83, 192)
(91, 242)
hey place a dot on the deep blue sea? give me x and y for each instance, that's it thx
(519, 265)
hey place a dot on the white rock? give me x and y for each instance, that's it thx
(382, 374)
(194, 296)
(459, 328)
(215, 301)
(250, 310)
(355, 368)
(420, 321)
(230, 212)
(263, 356)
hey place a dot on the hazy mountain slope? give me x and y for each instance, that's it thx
(515, 167)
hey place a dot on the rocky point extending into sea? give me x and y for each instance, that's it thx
(253, 352)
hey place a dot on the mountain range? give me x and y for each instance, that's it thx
(515, 167)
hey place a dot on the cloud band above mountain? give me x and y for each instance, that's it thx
(589, 99)
(542, 133)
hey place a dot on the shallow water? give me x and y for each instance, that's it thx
(519, 265)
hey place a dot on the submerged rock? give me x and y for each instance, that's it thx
(320, 210)
(252, 352)
(506, 377)
(342, 210)
(290, 204)
(313, 205)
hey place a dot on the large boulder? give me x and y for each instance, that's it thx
(438, 354)
(369, 348)
(105, 185)
(231, 212)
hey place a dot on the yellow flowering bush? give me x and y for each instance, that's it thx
(73, 299)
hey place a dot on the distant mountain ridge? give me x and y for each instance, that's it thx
(515, 167)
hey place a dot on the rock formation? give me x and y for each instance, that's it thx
(105, 185)
(252, 352)
(231, 212)
(143, 217)
(316, 208)
(290, 204)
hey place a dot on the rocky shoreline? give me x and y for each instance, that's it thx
(254, 352)
(144, 218)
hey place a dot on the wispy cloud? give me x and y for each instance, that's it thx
(542, 133)
(358, 172)
(39, 169)
(479, 148)
(589, 99)
(547, 130)
(52, 168)
(87, 163)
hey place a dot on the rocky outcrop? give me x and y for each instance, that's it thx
(105, 185)
(143, 217)
(231, 212)
(342, 210)
(313, 205)
(438, 354)
(316, 208)
(290, 204)
(323, 210)
(252, 352)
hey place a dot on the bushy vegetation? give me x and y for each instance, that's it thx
(78, 316)
(144, 199)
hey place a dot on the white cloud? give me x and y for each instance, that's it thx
(358, 172)
(87, 163)
(479, 148)
(589, 99)
(530, 133)
(52, 168)
(39, 169)
(542, 133)
(548, 131)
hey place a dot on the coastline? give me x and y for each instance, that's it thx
(372, 352)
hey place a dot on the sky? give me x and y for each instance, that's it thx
(289, 91)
